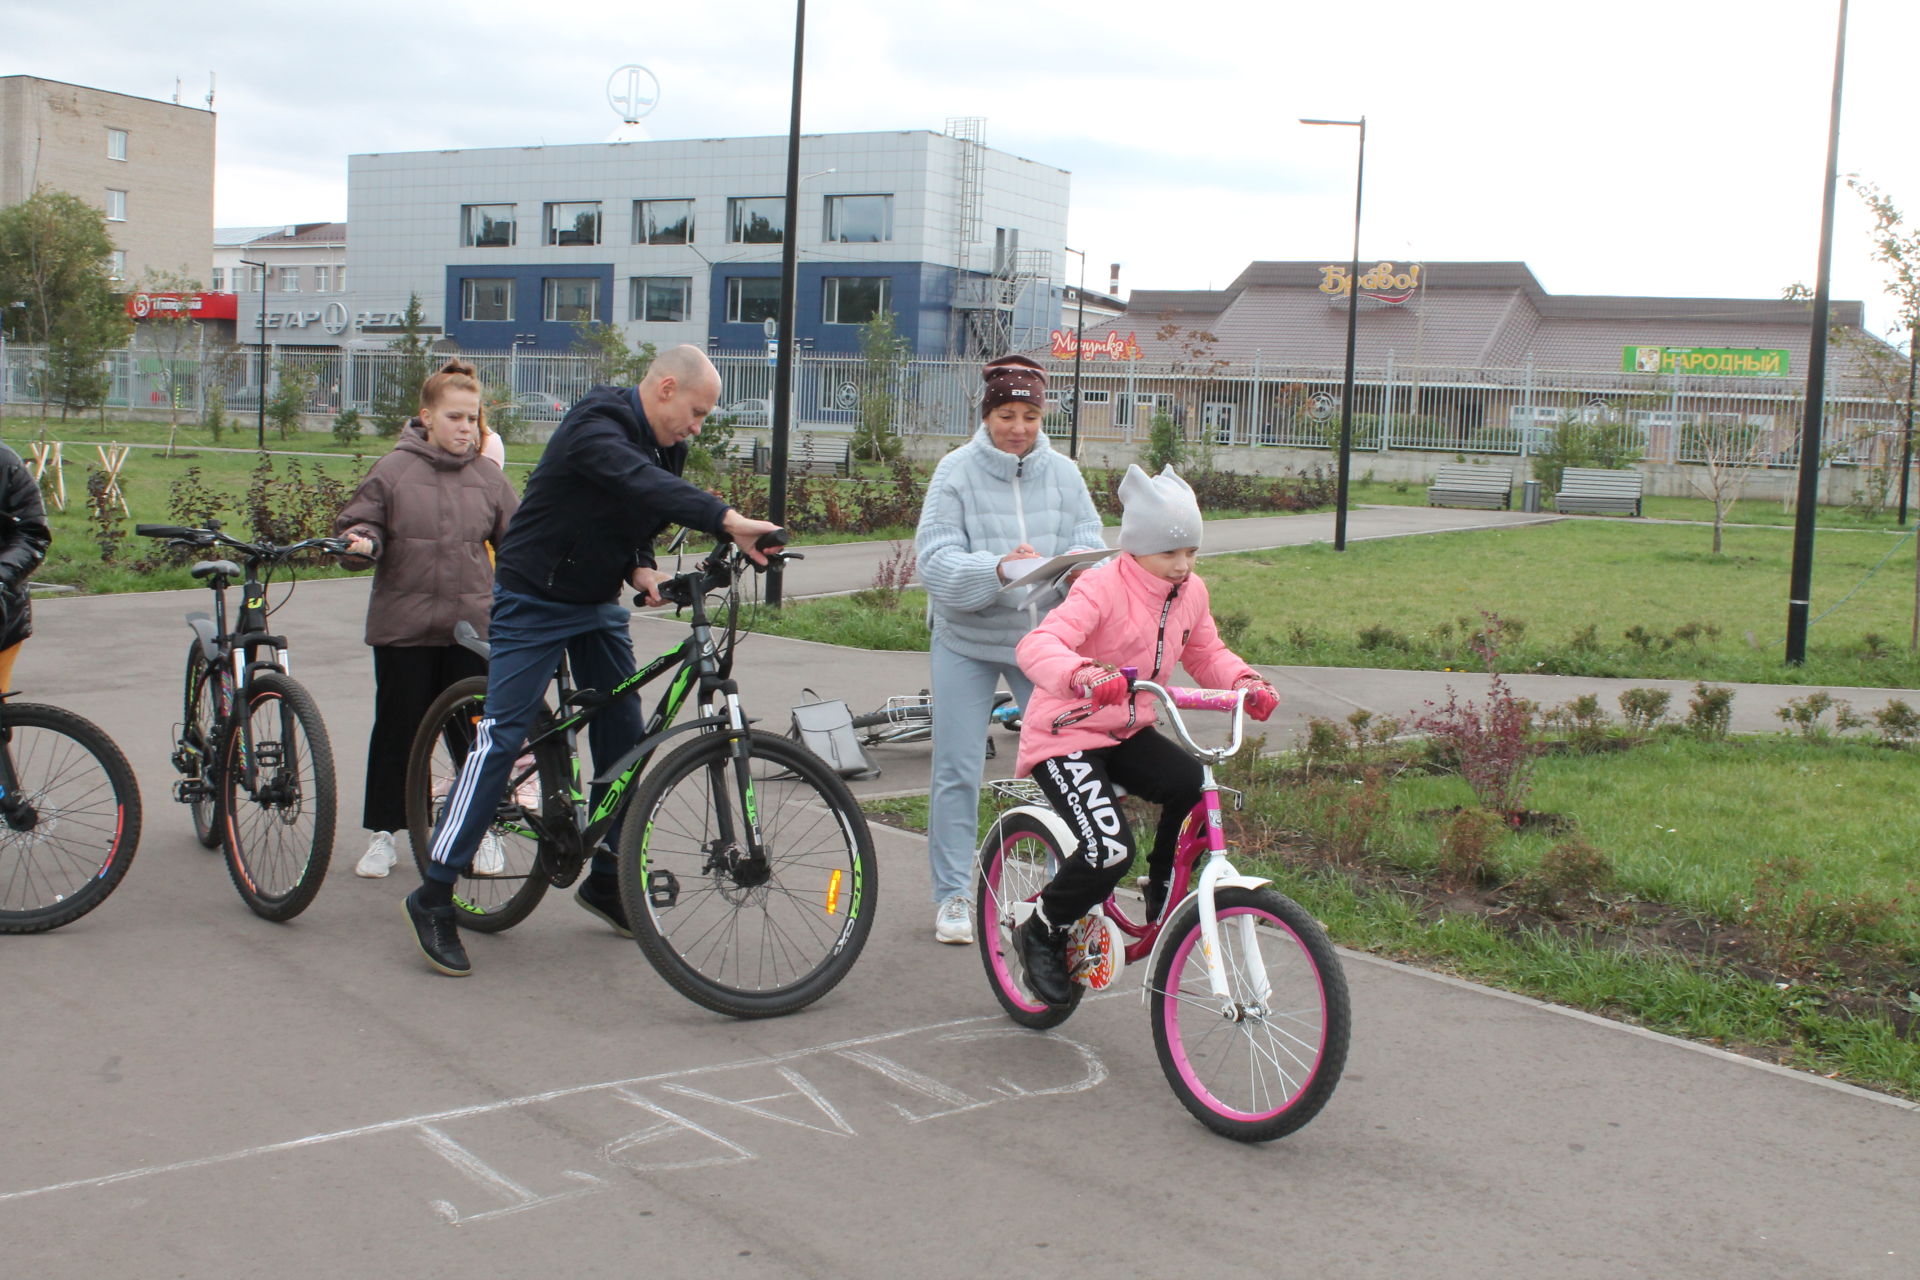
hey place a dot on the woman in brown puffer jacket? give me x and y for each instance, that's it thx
(423, 518)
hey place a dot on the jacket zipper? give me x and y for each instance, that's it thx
(1159, 651)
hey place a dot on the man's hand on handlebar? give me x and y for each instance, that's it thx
(745, 533)
(647, 583)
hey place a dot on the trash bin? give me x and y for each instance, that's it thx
(1529, 495)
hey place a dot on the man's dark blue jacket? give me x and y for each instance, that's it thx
(601, 493)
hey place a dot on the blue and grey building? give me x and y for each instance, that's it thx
(680, 241)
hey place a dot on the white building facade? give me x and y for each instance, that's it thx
(680, 241)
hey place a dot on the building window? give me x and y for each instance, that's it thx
(854, 299)
(116, 144)
(219, 281)
(1006, 248)
(663, 222)
(756, 220)
(486, 226)
(340, 280)
(256, 281)
(116, 205)
(661, 298)
(859, 219)
(322, 277)
(289, 279)
(117, 265)
(487, 299)
(572, 301)
(753, 299)
(1096, 397)
(574, 223)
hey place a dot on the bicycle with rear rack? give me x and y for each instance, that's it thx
(746, 867)
(908, 717)
(69, 816)
(1247, 998)
(255, 762)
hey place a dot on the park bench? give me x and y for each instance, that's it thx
(811, 454)
(1467, 486)
(1589, 491)
(746, 453)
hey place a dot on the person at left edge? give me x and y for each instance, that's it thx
(607, 484)
(24, 539)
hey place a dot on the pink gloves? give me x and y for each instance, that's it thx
(1262, 698)
(1101, 683)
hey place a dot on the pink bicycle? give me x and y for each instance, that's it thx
(1248, 1001)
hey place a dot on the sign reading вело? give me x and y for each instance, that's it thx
(1713, 362)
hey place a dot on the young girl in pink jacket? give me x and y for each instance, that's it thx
(1081, 733)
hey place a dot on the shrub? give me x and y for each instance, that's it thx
(1806, 716)
(1794, 920)
(1489, 745)
(1380, 636)
(1710, 711)
(1899, 723)
(214, 416)
(104, 515)
(346, 427)
(1571, 871)
(1644, 708)
(1349, 813)
(890, 578)
(1164, 446)
(1466, 847)
(1584, 718)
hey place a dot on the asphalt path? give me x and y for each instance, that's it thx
(192, 1091)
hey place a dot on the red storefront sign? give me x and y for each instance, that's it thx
(197, 306)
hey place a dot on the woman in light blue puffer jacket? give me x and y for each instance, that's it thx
(1003, 497)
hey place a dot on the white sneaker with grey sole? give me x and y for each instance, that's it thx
(490, 859)
(951, 923)
(379, 857)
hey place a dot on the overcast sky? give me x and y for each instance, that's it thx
(1670, 148)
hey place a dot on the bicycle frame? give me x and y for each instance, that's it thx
(1202, 834)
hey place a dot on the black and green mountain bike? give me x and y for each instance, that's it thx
(746, 866)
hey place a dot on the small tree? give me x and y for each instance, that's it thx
(397, 396)
(612, 360)
(292, 392)
(1584, 439)
(54, 261)
(882, 352)
(169, 333)
(1729, 451)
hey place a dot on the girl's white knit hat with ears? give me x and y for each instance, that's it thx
(1159, 513)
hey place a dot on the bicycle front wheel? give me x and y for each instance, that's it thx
(747, 936)
(1017, 859)
(1264, 1066)
(202, 712)
(69, 830)
(277, 798)
(505, 881)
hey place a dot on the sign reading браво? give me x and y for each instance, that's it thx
(1713, 362)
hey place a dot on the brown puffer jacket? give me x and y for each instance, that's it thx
(429, 515)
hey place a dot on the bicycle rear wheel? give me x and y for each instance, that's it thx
(202, 712)
(1268, 1067)
(745, 937)
(69, 832)
(277, 798)
(1017, 859)
(486, 903)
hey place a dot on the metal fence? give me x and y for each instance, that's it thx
(1669, 417)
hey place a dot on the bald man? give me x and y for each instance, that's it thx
(606, 486)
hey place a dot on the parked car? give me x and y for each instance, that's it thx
(539, 404)
(750, 413)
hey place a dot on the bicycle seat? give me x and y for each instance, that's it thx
(207, 568)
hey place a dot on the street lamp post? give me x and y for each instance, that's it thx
(1906, 440)
(263, 348)
(1353, 324)
(1079, 339)
(789, 273)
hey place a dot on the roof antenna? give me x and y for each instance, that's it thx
(209, 90)
(176, 91)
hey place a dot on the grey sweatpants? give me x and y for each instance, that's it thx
(963, 691)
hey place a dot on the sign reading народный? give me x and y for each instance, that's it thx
(1713, 362)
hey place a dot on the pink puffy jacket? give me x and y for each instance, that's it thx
(1122, 615)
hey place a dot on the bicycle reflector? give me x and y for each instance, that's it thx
(833, 893)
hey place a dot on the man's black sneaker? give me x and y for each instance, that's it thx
(600, 896)
(1043, 951)
(1153, 894)
(438, 936)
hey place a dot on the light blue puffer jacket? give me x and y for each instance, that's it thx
(981, 504)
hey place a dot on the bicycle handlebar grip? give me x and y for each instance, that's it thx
(164, 531)
(1204, 699)
(1130, 674)
(770, 539)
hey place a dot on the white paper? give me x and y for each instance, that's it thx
(1044, 571)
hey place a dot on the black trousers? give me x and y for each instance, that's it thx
(1080, 788)
(405, 683)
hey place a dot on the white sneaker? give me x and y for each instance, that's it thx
(951, 923)
(527, 794)
(379, 857)
(490, 859)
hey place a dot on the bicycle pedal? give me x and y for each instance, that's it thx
(1096, 951)
(189, 790)
(663, 889)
